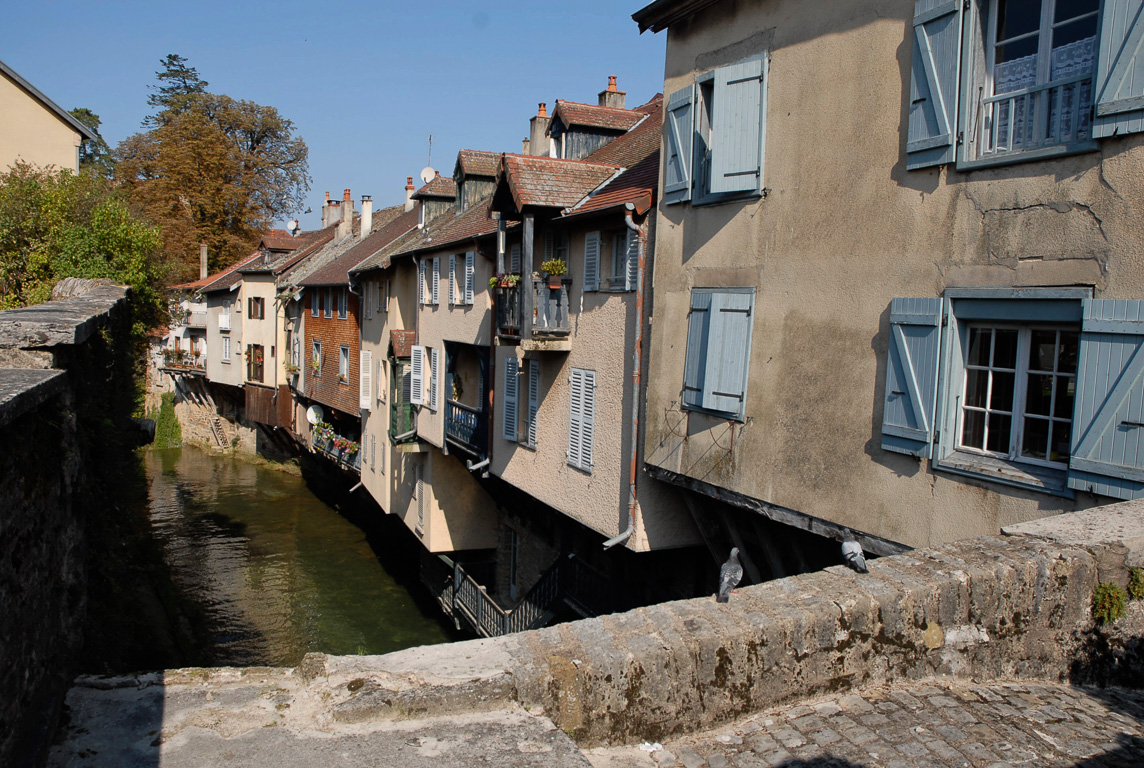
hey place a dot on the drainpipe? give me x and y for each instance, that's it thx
(638, 355)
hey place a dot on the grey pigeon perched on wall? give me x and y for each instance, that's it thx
(852, 552)
(729, 576)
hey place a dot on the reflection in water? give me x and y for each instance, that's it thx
(277, 572)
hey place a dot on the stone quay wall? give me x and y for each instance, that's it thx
(1002, 607)
(60, 378)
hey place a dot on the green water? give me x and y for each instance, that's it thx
(279, 573)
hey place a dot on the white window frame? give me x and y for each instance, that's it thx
(226, 349)
(316, 354)
(344, 363)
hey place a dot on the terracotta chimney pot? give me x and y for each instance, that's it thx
(612, 83)
(543, 111)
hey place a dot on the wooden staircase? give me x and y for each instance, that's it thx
(218, 432)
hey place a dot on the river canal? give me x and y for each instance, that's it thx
(276, 571)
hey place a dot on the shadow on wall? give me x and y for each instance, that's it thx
(902, 465)
(1109, 657)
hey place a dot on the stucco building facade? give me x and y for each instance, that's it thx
(35, 129)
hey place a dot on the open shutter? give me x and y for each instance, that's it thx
(421, 282)
(508, 427)
(933, 83)
(1119, 84)
(533, 399)
(695, 361)
(1108, 417)
(911, 376)
(632, 261)
(434, 377)
(728, 352)
(373, 453)
(737, 128)
(365, 379)
(514, 258)
(435, 286)
(417, 376)
(470, 275)
(452, 277)
(592, 261)
(419, 482)
(678, 132)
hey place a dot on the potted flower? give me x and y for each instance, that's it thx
(343, 378)
(316, 365)
(504, 281)
(291, 369)
(555, 269)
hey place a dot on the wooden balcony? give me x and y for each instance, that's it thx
(550, 329)
(508, 312)
(467, 428)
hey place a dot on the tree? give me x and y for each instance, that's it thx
(56, 224)
(216, 170)
(178, 84)
(94, 156)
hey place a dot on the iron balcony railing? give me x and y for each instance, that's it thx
(349, 458)
(1037, 117)
(550, 317)
(508, 311)
(466, 427)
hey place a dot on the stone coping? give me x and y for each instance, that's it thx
(70, 320)
(23, 389)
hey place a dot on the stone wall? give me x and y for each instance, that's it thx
(1012, 606)
(61, 382)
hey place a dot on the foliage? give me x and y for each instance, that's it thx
(554, 267)
(94, 156)
(504, 281)
(55, 225)
(168, 432)
(211, 169)
(1136, 583)
(1108, 602)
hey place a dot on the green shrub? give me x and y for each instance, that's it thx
(1108, 602)
(1136, 583)
(168, 432)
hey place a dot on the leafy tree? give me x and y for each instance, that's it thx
(56, 224)
(178, 84)
(94, 156)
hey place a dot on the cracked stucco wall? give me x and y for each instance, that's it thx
(843, 229)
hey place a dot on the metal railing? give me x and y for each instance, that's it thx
(466, 425)
(1037, 117)
(508, 311)
(350, 459)
(551, 308)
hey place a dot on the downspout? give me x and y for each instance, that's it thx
(641, 249)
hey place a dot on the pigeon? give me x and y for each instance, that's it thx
(852, 552)
(729, 576)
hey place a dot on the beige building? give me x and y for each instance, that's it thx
(898, 262)
(34, 128)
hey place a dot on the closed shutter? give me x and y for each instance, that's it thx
(434, 377)
(1108, 417)
(695, 358)
(379, 381)
(1119, 84)
(933, 83)
(508, 426)
(419, 474)
(911, 376)
(373, 453)
(737, 128)
(417, 374)
(581, 418)
(632, 261)
(533, 399)
(728, 352)
(435, 287)
(470, 275)
(514, 258)
(365, 379)
(592, 261)
(421, 283)
(452, 277)
(678, 132)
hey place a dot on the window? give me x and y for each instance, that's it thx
(255, 360)
(315, 303)
(328, 310)
(1020, 79)
(343, 303)
(1040, 391)
(625, 261)
(256, 308)
(581, 418)
(714, 135)
(224, 318)
(316, 358)
(344, 364)
(226, 349)
(718, 350)
(533, 400)
(365, 379)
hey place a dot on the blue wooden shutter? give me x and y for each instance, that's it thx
(1108, 417)
(417, 376)
(470, 272)
(421, 282)
(533, 399)
(911, 376)
(728, 351)
(581, 418)
(592, 261)
(933, 83)
(695, 361)
(373, 453)
(434, 377)
(632, 261)
(452, 277)
(435, 287)
(508, 426)
(678, 132)
(1119, 84)
(737, 128)
(514, 258)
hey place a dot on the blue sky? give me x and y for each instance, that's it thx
(365, 84)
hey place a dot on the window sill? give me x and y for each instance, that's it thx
(1013, 158)
(1046, 479)
(225, 362)
(726, 197)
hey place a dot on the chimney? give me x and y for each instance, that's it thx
(409, 190)
(346, 225)
(366, 216)
(524, 144)
(611, 96)
(330, 212)
(202, 261)
(538, 126)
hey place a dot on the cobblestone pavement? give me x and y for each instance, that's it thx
(930, 723)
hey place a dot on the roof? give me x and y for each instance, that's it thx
(636, 144)
(444, 231)
(663, 13)
(474, 162)
(594, 116)
(636, 185)
(356, 258)
(551, 182)
(440, 186)
(35, 92)
(229, 276)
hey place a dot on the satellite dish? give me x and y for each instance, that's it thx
(314, 414)
(427, 174)
(292, 226)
